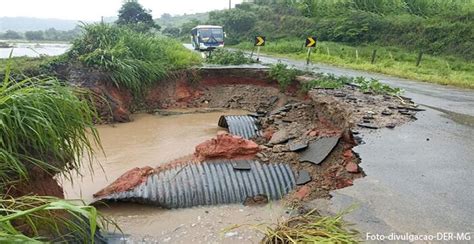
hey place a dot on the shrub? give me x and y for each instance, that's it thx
(283, 75)
(225, 57)
(131, 59)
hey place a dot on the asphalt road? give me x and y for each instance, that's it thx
(420, 175)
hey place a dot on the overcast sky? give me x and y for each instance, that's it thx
(93, 9)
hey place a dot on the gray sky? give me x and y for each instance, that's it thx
(93, 9)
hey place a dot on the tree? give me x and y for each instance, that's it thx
(171, 31)
(11, 35)
(34, 35)
(133, 14)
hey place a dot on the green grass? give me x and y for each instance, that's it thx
(225, 57)
(26, 65)
(132, 60)
(43, 124)
(444, 70)
(34, 219)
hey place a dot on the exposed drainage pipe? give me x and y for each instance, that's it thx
(240, 125)
(210, 183)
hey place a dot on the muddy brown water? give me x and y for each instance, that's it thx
(151, 140)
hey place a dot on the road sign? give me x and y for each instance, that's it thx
(259, 41)
(311, 41)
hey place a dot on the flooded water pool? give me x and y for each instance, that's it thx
(151, 140)
(34, 49)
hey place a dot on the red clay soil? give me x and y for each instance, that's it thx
(127, 181)
(40, 183)
(228, 147)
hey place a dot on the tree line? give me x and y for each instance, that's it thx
(432, 26)
(50, 34)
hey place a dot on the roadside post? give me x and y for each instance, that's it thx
(418, 60)
(259, 42)
(310, 44)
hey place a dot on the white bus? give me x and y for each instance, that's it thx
(207, 37)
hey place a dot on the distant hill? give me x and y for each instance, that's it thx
(21, 24)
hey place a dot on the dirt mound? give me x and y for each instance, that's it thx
(127, 181)
(228, 147)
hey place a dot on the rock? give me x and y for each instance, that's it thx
(280, 148)
(256, 200)
(296, 146)
(280, 136)
(368, 126)
(352, 167)
(127, 181)
(390, 125)
(387, 113)
(226, 146)
(348, 154)
(339, 94)
(303, 192)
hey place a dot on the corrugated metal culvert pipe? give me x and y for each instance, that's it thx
(241, 125)
(211, 182)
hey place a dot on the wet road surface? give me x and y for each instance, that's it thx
(419, 175)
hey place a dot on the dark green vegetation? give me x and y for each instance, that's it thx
(50, 34)
(283, 75)
(348, 32)
(44, 124)
(287, 76)
(434, 26)
(46, 127)
(131, 59)
(133, 15)
(224, 57)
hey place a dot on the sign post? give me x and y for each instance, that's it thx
(310, 44)
(259, 42)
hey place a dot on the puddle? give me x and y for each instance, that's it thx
(151, 140)
(459, 118)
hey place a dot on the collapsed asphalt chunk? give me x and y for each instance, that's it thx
(318, 150)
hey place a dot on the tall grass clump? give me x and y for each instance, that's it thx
(311, 228)
(33, 219)
(130, 59)
(43, 125)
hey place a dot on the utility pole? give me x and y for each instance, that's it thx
(230, 4)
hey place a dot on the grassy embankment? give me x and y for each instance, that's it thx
(446, 70)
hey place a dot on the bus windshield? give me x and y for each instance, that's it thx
(211, 34)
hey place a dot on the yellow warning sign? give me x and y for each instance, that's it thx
(259, 41)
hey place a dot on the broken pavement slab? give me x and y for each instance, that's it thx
(297, 146)
(241, 165)
(303, 177)
(318, 150)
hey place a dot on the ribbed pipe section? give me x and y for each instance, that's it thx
(210, 183)
(240, 125)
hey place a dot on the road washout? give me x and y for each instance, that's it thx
(289, 123)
